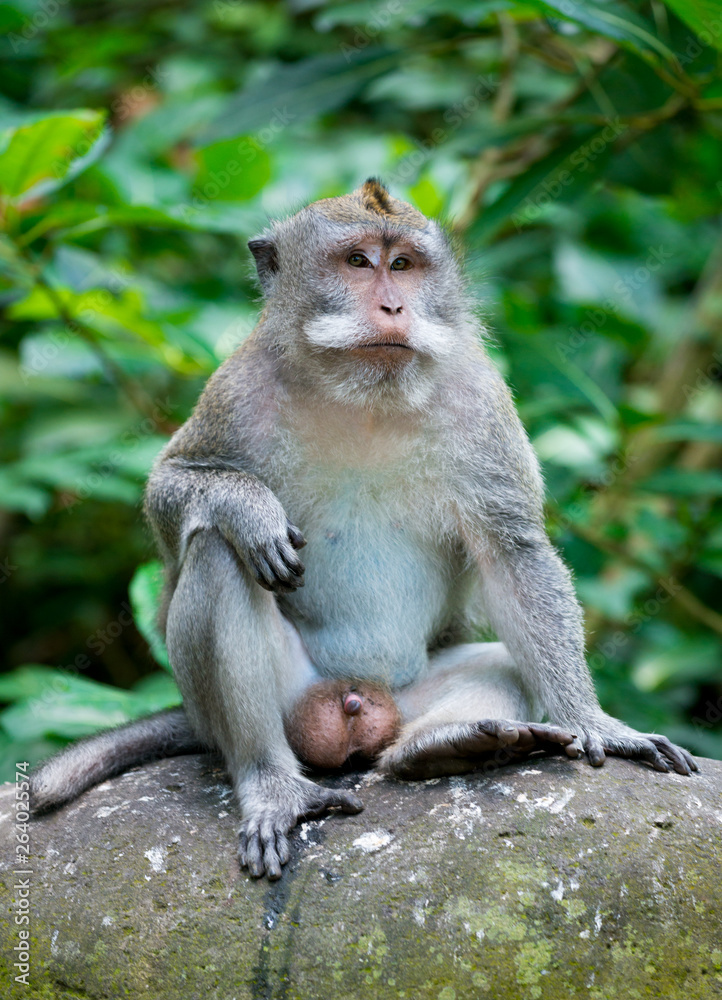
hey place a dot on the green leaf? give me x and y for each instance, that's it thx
(689, 658)
(59, 704)
(156, 692)
(685, 483)
(25, 682)
(613, 20)
(145, 591)
(44, 155)
(366, 19)
(232, 170)
(689, 430)
(704, 16)
(298, 91)
(68, 707)
(17, 494)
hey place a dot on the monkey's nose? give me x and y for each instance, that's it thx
(352, 703)
(392, 310)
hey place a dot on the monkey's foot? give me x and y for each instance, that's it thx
(457, 748)
(263, 837)
(604, 735)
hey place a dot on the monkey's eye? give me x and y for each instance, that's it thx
(401, 264)
(359, 260)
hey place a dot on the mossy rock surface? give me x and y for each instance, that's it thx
(544, 881)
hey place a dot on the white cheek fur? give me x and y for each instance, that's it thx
(339, 332)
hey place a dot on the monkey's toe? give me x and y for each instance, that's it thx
(516, 738)
(656, 750)
(462, 747)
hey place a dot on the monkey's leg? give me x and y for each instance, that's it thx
(458, 717)
(238, 667)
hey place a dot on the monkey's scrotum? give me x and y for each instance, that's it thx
(333, 722)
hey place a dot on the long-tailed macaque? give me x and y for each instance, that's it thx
(363, 420)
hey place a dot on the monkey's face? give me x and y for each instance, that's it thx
(370, 313)
(364, 297)
(379, 329)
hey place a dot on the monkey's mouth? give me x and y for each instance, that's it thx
(383, 345)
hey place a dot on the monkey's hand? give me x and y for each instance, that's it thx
(268, 819)
(265, 539)
(602, 734)
(457, 748)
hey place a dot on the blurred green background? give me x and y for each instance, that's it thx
(574, 148)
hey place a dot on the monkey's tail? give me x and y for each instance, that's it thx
(95, 758)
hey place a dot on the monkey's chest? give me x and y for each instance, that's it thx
(376, 593)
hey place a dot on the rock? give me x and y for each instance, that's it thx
(544, 880)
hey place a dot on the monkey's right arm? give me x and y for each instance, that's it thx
(186, 496)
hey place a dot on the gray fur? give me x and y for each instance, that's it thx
(97, 758)
(421, 502)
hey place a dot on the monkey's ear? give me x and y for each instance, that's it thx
(264, 251)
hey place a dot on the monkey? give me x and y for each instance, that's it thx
(363, 422)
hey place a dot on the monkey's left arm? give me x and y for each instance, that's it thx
(528, 594)
(530, 602)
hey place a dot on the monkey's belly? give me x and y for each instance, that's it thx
(372, 602)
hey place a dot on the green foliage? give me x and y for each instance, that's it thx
(145, 597)
(574, 149)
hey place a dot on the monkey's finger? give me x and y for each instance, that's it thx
(283, 848)
(551, 734)
(271, 860)
(266, 576)
(574, 749)
(261, 571)
(647, 751)
(254, 856)
(595, 751)
(682, 761)
(295, 536)
(650, 753)
(291, 563)
(507, 733)
(693, 765)
(347, 802)
(283, 575)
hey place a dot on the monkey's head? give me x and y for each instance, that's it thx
(364, 297)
